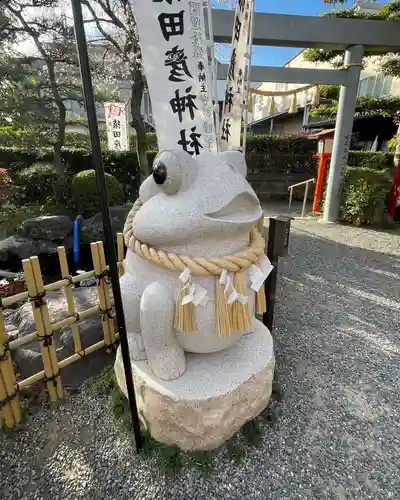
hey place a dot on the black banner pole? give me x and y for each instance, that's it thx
(278, 244)
(107, 226)
(270, 282)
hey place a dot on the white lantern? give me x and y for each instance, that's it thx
(325, 145)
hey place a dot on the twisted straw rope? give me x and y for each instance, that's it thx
(197, 265)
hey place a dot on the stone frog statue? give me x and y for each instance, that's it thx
(194, 258)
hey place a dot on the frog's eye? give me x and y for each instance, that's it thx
(160, 173)
(167, 173)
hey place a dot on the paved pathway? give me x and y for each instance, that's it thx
(337, 343)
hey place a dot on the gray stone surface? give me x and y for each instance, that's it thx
(337, 437)
(42, 235)
(205, 208)
(39, 235)
(47, 227)
(92, 228)
(20, 322)
(215, 396)
(15, 246)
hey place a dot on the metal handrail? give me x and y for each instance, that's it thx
(290, 188)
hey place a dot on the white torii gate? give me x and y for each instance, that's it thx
(351, 35)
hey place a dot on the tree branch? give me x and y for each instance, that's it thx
(106, 35)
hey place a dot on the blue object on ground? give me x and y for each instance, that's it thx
(77, 223)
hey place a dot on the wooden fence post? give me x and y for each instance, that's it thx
(121, 253)
(36, 294)
(9, 386)
(101, 276)
(106, 289)
(62, 256)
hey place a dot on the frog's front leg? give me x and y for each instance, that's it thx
(131, 302)
(165, 356)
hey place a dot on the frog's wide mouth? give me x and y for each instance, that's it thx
(242, 208)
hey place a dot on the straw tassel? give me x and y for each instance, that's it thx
(293, 105)
(316, 96)
(185, 314)
(272, 107)
(250, 102)
(260, 225)
(222, 310)
(239, 313)
(261, 300)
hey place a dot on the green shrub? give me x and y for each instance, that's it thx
(364, 195)
(85, 195)
(377, 160)
(123, 166)
(35, 184)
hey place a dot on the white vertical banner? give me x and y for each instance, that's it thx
(173, 43)
(231, 123)
(117, 127)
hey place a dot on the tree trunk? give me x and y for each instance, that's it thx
(60, 142)
(137, 88)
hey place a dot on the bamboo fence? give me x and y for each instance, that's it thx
(10, 408)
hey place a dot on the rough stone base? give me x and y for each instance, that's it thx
(216, 395)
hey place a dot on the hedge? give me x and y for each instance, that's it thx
(377, 160)
(277, 144)
(123, 166)
(265, 155)
(26, 138)
(364, 195)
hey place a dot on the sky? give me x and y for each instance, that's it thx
(277, 56)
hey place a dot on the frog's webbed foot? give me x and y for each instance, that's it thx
(165, 356)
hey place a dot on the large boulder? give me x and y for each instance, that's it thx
(47, 227)
(20, 322)
(210, 402)
(39, 235)
(23, 248)
(92, 228)
(16, 246)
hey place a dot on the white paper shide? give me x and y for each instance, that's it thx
(231, 122)
(175, 62)
(117, 129)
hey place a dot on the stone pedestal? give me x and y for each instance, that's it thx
(216, 395)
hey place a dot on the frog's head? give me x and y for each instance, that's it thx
(190, 200)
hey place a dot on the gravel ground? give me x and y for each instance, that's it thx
(338, 437)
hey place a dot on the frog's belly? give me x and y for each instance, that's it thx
(205, 339)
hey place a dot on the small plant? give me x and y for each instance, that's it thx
(236, 451)
(252, 432)
(170, 459)
(202, 460)
(105, 382)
